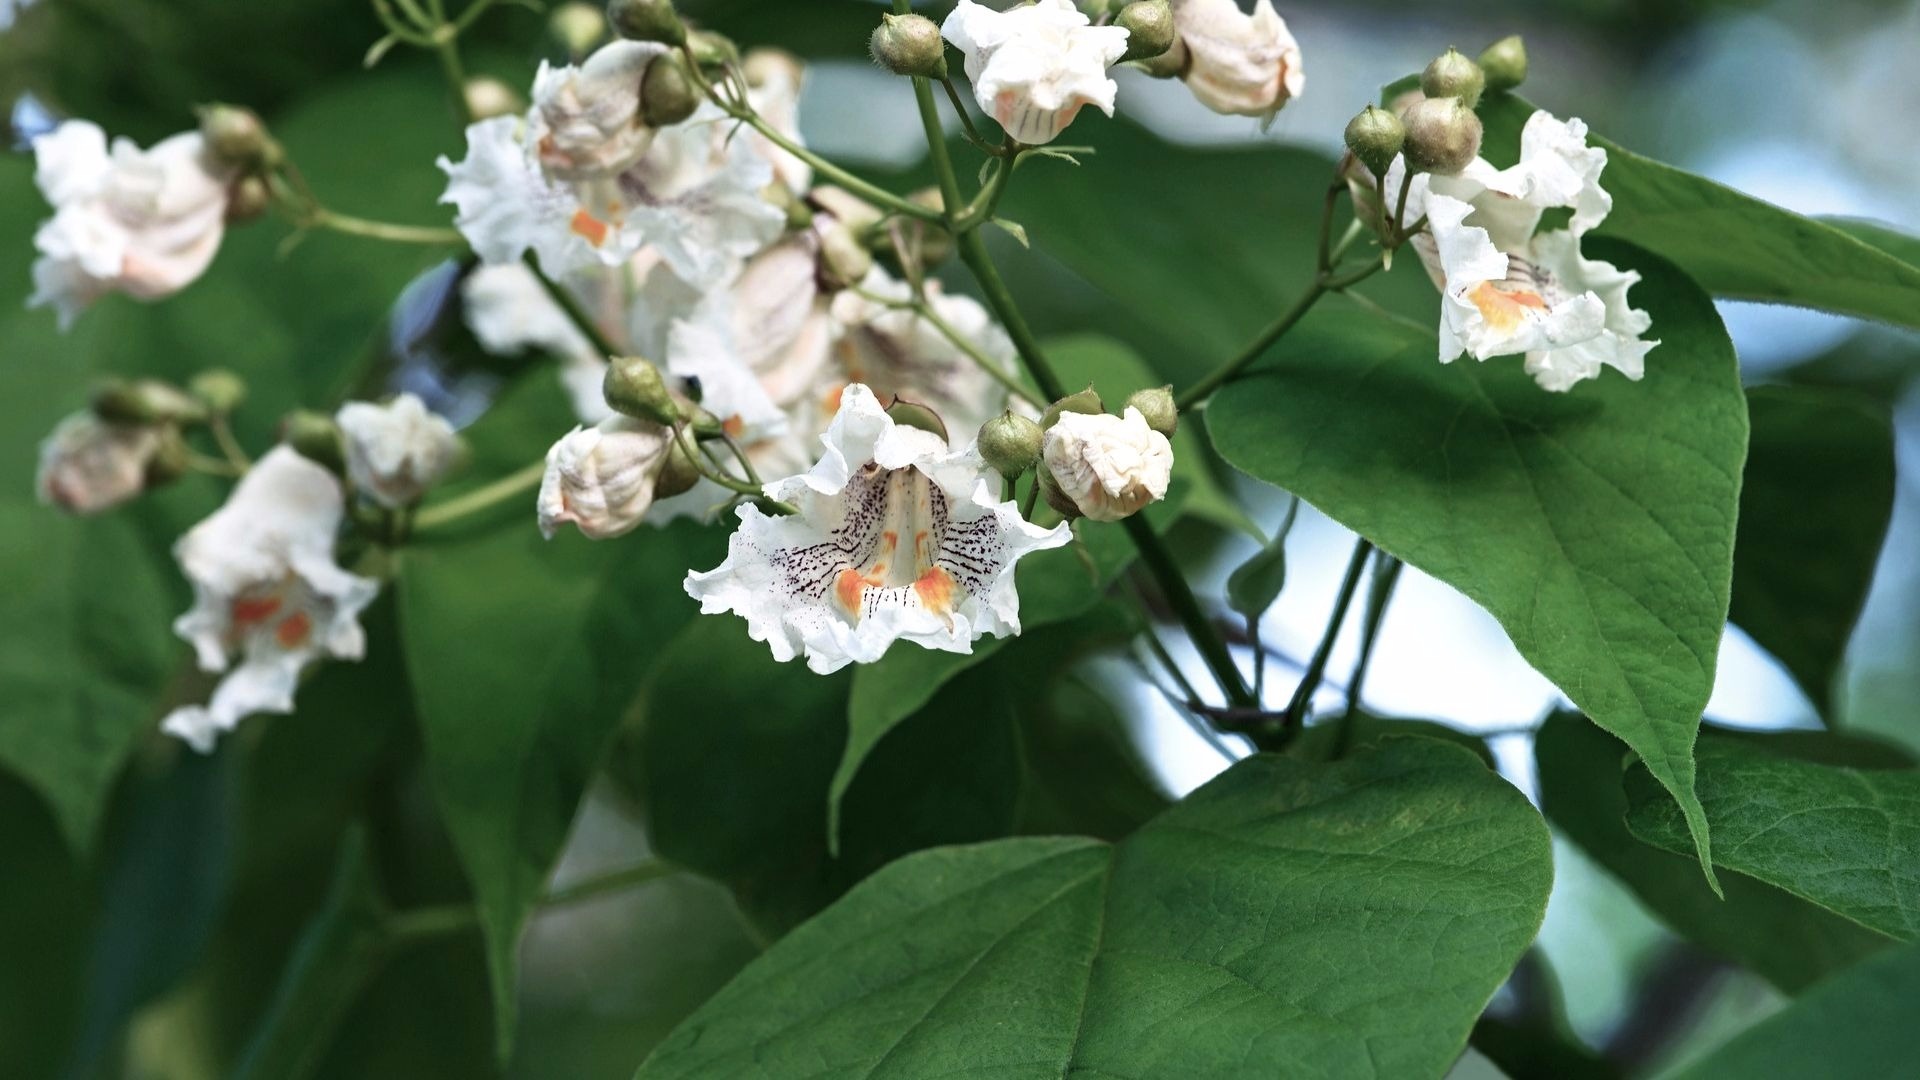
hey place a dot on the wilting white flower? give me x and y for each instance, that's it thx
(900, 354)
(143, 222)
(897, 538)
(1236, 63)
(88, 464)
(1508, 288)
(1110, 466)
(602, 478)
(396, 451)
(266, 587)
(1035, 66)
(586, 121)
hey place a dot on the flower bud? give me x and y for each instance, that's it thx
(1061, 502)
(398, 450)
(578, 26)
(712, 50)
(1086, 401)
(647, 20)
(912, 414)
(488, 97)
(1010, 445)
(171, 460)
(678, 474)
(858, 215)
(667, 93)
(220, 390)
(1108, 467)
(1150, 30)
(89, 464)
(316, 437)
(1453, 75)
(603, 479)
(636, 388)
(1157, 408)
(909, 45)
(145, 401)
(237, 137)
(844, 260)
(1375, 137)
(248, 199)
(1443, 135)
(1504, 63)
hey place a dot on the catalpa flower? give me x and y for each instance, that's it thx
(1034, 67)
(899, 354)
(602, 479)
(396, 451)
(897, 538)
(1109, 467)
(266, 587)
(1236, 63)
(143, 222)
(586, 120)
(89, 465)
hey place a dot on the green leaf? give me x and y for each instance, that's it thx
(1784, 939)
(1845, 838)
(523, 655)
(1255, 584)
(1733, 244)
(1321, 920)
(46, 905)
(1318, 741)
(1813, 514)
(1858, 1024)
(1597, 526)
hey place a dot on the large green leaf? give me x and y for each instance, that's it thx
(1784, 939)
(1813, 514)
(1313, 920)
(1736, 245)
(1858, 1024)
(46, 904)
(1596, 525)
(1845, 838)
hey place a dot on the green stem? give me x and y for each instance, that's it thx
(571, 307)
(230, 446)
(1159, 562)
(1200, 391)
(1317, 666)
(379, 230)
(422, 924)
(871, 192)
(960, 341)
(512, 486)
(1386, 575)
(966, 118)
(973, 252)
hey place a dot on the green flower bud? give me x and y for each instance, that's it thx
(577, 26)
(1061, 502)
(171, 459)
(915, 415)
(678, 474)
(236, 136)
(844, 260)
(1010, 444)
(1505, 63)
(909, 45)
(1157, 408)
(1086, 401)
(667, 93)
(316, 437)
(1453, 75)
(1375, 137)
(145, 401)
(712, 50)
(1150, 29)
(1443, 135)
(248, 199)
(488, 97)
(647, 20)
(636, 388)
(219, 389)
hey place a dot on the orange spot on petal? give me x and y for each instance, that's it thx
(590, 228)
(733, 426)
(1503, 308)
(249, 611)
(848, 588)
(936, 588)
(293, 630)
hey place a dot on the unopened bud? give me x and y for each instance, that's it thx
(1086, 401)
(847, 208)
(636, 388)
(647, 20)
(1061, 502)
(1010, 444)
(220, 390)
(844, 260)
(915, 415)
(1375, 137)
(1443, 136)
(1504, 63)
(667, 93)
(488, 97)
(1453, 75)
(145, 401)
(248, 199)
(236, 136)
(909, 45)
(1157, 408)
(1150, 29)
(316, 437)
(678, 474)
(712, 50)
(577, 26)
(171, 460)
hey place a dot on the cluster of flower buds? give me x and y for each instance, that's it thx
(1437, 128)
(129, 440)
(1088, 462)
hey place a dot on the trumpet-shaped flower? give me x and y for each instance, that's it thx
(1034, 67)
(396, 451)
(897, 538)
(1238, 63)
(266, 587)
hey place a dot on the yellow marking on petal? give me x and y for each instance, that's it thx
(891, 539)
(589, 228)
(849, 588)
(936, 588)
(1504, 308)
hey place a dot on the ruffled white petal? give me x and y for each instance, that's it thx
(1239, 63)
(586, 121)
(601, 479)
(1112, 467)
(1034, 67)
(396, 451)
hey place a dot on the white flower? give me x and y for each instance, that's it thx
(899, 354)
(897, 538)
(508, 206)
(266, 587)
(586, 121)
(396, 451)
(1035, 66)
(88, 464)
(1236, 63)
(602, 478)
(510, 313)
(1110, 466)
(143, 222)
(774, 81)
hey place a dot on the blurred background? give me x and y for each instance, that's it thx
(1809, 106)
